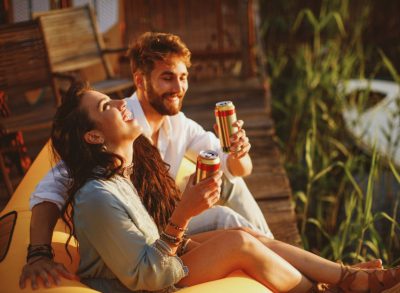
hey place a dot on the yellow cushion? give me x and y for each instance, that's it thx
(186, 169)
(11, 266)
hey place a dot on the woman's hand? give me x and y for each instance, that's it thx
(200, 197)
(45, 269)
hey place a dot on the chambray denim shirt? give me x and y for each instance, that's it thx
(119, 245)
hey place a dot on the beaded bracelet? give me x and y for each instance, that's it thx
(176, 227)
(171, 239)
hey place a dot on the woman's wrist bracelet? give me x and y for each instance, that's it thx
(177, 227)
(171, 239)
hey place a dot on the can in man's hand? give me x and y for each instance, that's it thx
(208, 163)
(225, 115)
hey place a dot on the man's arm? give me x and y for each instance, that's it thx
(46, 202)
(240, 167)
(43, 220)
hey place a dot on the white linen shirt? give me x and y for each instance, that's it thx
(178, 136)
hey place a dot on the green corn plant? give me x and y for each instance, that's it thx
(367, 217)
(325, 168)
(394, 240)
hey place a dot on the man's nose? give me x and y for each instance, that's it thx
(178, 86)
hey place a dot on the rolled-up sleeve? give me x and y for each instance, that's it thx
(52, 188)
(139, 262)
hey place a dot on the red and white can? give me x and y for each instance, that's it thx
(208, 163)
(225, 115)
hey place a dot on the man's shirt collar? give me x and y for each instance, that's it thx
(138, 113)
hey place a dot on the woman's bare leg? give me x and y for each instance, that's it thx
(313, 266)
(239, 250)
(201, 237)
(309, 264)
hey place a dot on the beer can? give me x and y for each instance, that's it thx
(208, 163)
(225, 115)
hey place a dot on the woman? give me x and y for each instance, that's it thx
(130, 219)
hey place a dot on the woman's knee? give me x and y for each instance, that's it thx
(240, 240)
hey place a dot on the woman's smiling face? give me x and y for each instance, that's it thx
(113, 120)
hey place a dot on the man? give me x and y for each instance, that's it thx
(159, 64)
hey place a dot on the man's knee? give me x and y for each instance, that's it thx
(235, 191)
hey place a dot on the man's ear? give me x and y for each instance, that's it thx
(94, 137)
(139, 80)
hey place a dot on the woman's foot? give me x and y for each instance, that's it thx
(371, 264)
(369, 280)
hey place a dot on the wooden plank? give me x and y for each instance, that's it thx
(265, 185)
(281, 220)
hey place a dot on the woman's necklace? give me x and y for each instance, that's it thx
(127, 171)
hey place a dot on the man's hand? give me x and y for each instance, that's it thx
(45, 269)
(239, 162)
(240, 145)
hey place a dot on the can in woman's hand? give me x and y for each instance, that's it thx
(208, 163)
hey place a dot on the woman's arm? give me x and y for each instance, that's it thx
(195, 199)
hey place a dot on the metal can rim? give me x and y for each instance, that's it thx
(224, 105)
(209, 161)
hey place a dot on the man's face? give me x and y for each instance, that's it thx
(166, 86)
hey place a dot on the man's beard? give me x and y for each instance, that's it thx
(157, 101)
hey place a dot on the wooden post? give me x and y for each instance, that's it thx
(243, 7)
(261, 57)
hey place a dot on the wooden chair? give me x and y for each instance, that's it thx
(73, 43)
(24, 68)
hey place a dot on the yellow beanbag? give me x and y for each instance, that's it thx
(14, 240)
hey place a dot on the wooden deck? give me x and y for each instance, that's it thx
(268, 182)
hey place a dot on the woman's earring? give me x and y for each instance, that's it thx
(103, 148)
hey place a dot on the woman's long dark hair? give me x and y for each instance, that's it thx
(83, 161)
(151, 179)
